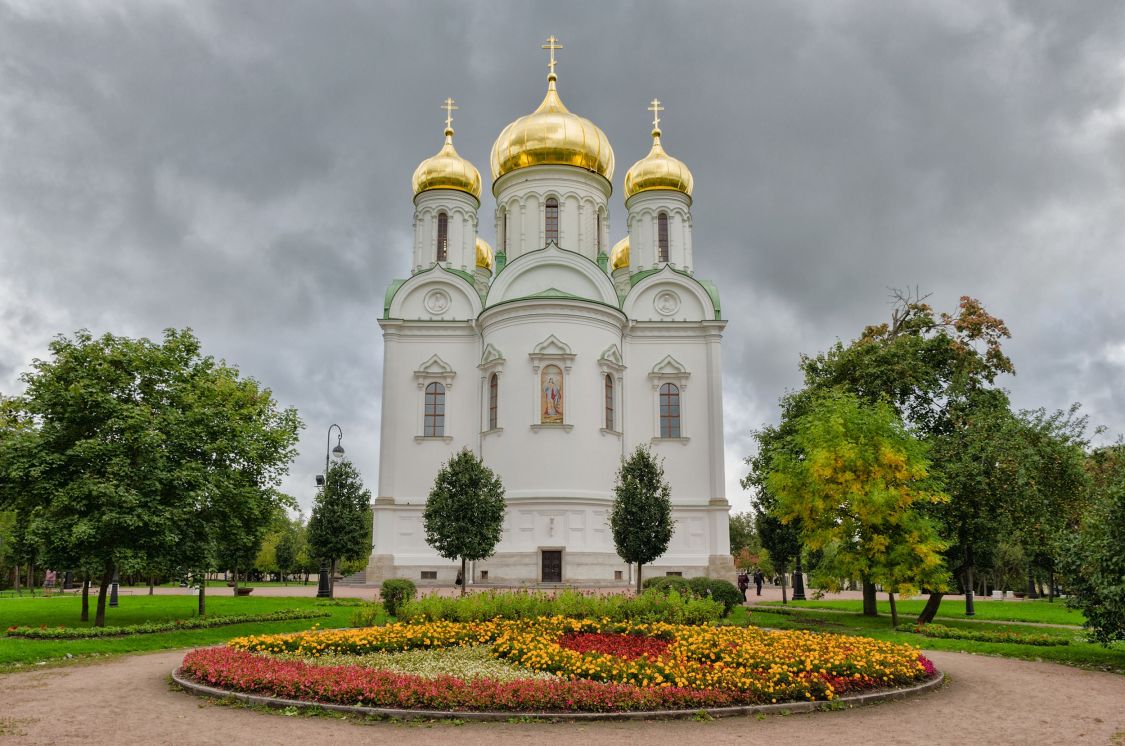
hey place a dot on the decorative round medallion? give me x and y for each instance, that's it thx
(437, 301)
(666, 303)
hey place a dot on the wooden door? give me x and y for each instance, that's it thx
(552, 566)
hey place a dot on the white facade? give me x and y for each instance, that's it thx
(551, 311)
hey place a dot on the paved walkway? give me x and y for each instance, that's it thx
(987, 700)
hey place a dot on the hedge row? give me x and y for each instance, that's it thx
(148, 628)
(956, 633)
(650, 606)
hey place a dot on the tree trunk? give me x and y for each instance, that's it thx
(332, 579)
(784, 600)
(929, 611)
(1039, 585)
(234, 575)
(99, 615)
(202, 609)
(464, 580)
(894, 610)
(151, 584)
(870, 603)
(31, 577)
(1031, 594)
(85, 598)
(638, 578)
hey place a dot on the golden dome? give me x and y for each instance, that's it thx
(658, 170)
(447, 170)
(552, 135)
(484, 254)
(619, 255)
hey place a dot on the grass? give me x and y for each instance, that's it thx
(1078, 653)
(64, 610)
(953, 608)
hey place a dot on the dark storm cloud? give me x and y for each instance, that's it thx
(243, 169)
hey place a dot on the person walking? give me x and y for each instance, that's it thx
(743, 584)
(759, 578)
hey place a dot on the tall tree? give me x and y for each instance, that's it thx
(137, 447)
(340, 525)
(1092, 559)
(743, 533)
(857, 491)
(641, 517)
(931, 367)
(464, 513)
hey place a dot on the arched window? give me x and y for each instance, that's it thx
(493, 390)
(669, 411)
(609, 421)
(442, 237)
(662, 236)
(434, 423)
(551, 222)
(503, 231)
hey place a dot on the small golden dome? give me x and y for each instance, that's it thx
(658, 170)
(485, 254)
(619, 255)
(552, 135)
(447, 170)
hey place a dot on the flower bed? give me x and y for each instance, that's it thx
(593, 665)
(148, 628)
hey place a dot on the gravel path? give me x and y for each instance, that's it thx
(987, 700)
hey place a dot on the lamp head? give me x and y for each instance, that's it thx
(338, 452)
(319, 480)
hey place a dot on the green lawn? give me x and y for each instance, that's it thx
(64, 610)
(953, 607)
(1077, 653)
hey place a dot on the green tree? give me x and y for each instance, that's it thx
(934, 369)
(340, 524)
(287, 548)
(464, 513)
(743, 533)
(856, 491)
(1092, 560)
(641, 517)
(781, 541)
(140, 449)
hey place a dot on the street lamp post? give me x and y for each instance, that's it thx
(324, 583)
(798, 580)
(113, 588)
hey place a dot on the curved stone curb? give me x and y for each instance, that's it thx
(855, 700)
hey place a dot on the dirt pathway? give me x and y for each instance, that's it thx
(987, 700)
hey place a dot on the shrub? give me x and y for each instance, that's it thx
(667, 583)
(148, 628)
(722, 591)
(395, 593)
(369, 615)
(956, 633)
(650, 606)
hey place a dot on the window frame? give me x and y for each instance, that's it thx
(433, 422)
(442, 242)
(671, 423)
(549, 205)
(493, 401)
(663, 253)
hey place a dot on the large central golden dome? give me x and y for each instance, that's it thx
(552, 135)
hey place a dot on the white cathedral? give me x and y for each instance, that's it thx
(552, 357)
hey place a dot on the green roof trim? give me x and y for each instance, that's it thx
(391, 290)
(708, 286)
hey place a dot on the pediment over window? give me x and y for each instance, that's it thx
(669, 367)
(611, 359)
(435, 369)
(554, 347)
(490, 354)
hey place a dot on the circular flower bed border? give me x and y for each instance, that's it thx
(851, 700)
(606, 671)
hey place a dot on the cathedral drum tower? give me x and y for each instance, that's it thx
(552, 357)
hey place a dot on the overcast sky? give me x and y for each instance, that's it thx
(243, 168)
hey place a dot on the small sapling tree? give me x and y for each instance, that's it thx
(641, 519)
(464, 514)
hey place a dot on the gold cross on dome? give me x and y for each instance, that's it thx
(655, 108)
(449, 107)
(551, 45)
